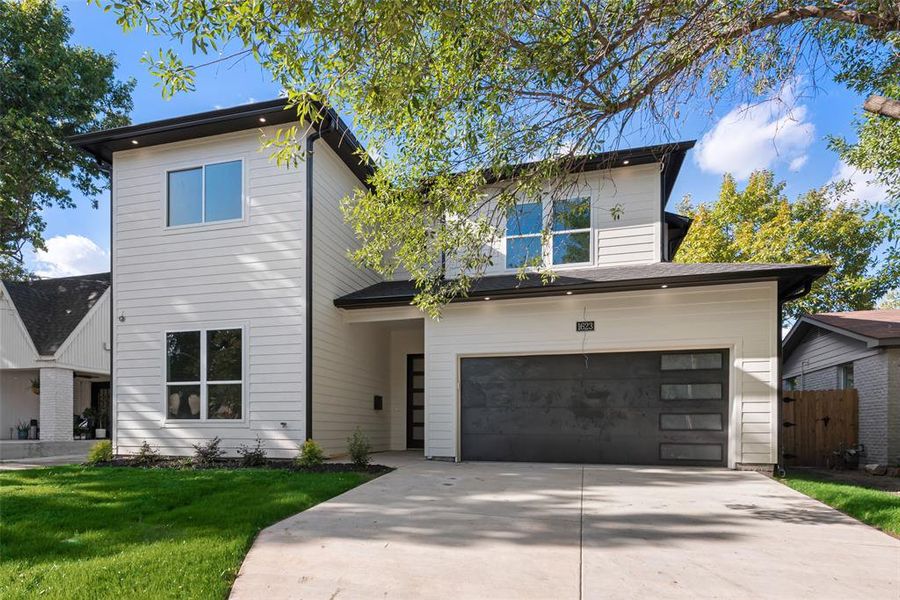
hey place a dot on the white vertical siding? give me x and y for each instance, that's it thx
(740, 317)
(350, 362)
(16, 349)
(247, 274)
(86, 349)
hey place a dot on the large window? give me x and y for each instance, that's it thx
(523, 235)
(571, 231)
(204, 374)
(205, 194)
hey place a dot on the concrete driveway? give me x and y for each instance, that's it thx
(502, 530)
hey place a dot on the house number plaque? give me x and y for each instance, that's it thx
(584, 326)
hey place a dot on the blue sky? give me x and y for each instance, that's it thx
(734, 138)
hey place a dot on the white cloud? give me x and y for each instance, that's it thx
(70, 255)
(757, 136)
(865, 189)
(798, 163)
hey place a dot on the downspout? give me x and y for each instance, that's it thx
(799, 293)
(310, 141)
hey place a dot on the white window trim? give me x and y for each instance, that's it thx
(203, 224)
(204, 420)
(507, 237)
(547, 249)
(589, 230)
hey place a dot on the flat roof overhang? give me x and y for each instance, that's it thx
(792, 279)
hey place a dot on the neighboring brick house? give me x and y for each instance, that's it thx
(853, 350)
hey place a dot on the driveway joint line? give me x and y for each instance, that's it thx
(581, 540)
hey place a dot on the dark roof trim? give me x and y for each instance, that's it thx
(677, 227)
(789, 279)
(336, 133)
(670, 155)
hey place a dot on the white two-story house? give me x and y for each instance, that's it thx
(237, 313)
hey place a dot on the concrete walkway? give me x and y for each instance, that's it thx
(501, 530)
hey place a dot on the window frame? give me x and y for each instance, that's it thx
(202, 165)
(539, 235)
(589, 230)
(580, 190)
(842, 376)
(204, 420)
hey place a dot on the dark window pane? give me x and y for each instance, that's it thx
(684, 422)
(523, 219)
(705, 452)
(691, 391)
(223, 355)
(183, 401)
(224, 401)
(223, 191)
(571, 248)
(185, 190)
(418, 364)
(524, 251)
(571, 214)
(698, 360)
(183, 356)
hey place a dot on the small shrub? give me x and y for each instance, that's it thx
(359, 449)
(146, 456)
(311, 454)
(207, 454)
(253, 456)
(100, 452)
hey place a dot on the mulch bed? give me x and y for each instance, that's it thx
(283, 464)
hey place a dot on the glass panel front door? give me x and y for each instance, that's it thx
(415, 401)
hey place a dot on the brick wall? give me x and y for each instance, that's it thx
(870, 377)
(892, 360)
(823, 379)
(56, 404)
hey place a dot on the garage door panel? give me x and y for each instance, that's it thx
(628, 408)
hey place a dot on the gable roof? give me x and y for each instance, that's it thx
(600, 279)
(877, 328)
(51, 309)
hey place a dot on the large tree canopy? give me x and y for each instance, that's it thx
(441, 87)
(49, 90)
(759, 224)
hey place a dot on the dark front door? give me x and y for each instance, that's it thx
(415, 400)
(102, 405)
(624, 408)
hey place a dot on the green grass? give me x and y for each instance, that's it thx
(90, 532)
(874, 507)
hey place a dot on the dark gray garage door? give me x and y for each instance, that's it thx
(629, 408)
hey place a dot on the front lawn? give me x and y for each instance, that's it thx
(91, 532)
(874, 507)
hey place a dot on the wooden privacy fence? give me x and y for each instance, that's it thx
(816, 423)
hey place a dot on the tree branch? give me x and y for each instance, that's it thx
(886, 107)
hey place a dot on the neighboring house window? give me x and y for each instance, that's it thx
(205, 194)
(204, 374)
(791, 383)
(571, 231)
(845, 376)
(523, 235)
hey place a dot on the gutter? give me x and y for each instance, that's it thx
(310, 142)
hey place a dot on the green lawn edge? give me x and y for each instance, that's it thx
(122, 532)
(877, 508)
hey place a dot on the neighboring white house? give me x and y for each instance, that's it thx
(856, 349)
(54, 360)
(238, 314)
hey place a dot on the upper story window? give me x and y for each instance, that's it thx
(570, 233)
(204, 374)
(205, 194)
(523, 235)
